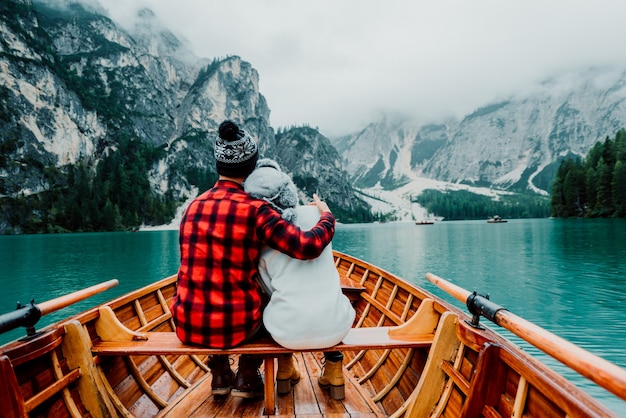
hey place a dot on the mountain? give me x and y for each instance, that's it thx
(316, 167)
(514, 144)
(106, 128)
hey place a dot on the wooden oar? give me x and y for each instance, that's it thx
(66, 300)
(28, 315)
(604, 373)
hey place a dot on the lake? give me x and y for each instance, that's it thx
(568, 276)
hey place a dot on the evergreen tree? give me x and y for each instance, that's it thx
(597, 186)
(603, 205)
(591, 179)
(618, 189)
(111, 219)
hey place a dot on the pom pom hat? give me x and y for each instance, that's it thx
(236, 153)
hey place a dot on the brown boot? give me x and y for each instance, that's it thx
(248, 382)
(287, 374)
(332, 379)
(223, 376)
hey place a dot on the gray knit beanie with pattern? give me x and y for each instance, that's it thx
(236, 152)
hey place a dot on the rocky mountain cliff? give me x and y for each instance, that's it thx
(513, 144)
(76, 88)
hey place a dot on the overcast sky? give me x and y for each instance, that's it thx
(337, 65)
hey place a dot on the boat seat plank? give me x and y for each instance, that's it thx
(351, 289)
(167, 343)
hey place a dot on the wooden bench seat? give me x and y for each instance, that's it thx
(116, 340)
(351, 289)
(158, 343)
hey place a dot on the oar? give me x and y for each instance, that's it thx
(604, 373)
(67, 300)
(28, 315)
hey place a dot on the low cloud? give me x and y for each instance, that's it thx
(336, 65)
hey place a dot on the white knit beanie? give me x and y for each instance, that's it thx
(270, 183)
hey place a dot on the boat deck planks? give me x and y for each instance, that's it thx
(306, 400)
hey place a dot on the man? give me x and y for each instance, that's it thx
(218, 302)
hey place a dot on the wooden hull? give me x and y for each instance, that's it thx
(467, 372)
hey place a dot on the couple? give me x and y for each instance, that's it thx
(229, 238)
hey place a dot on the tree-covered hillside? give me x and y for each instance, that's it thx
(594, 186)
(116, 195)
(464, 205)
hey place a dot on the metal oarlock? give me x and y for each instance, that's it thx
(481, 305)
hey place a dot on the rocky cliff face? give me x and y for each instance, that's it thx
(74, 86)
(300, 151)
(514, 144)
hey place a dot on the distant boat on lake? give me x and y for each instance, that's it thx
(424, 222)
(496, 220)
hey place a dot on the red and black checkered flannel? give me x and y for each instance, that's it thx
(218, 301)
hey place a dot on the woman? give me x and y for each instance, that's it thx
(307, 309)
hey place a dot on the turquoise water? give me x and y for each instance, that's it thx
(568, 276)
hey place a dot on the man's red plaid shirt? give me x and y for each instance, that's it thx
(218, 301)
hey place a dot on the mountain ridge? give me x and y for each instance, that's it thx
(511, 144)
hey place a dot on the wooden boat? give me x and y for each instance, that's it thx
(424, 222)
(463, 369)
(496, 220)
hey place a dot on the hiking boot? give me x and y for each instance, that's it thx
(332, 379)
(223, 376)
(248, 382)
(287, 374)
